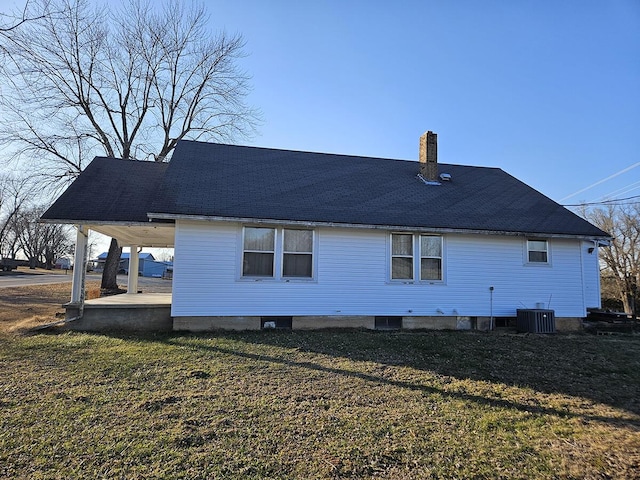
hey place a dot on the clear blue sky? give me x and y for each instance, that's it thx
(548, 90)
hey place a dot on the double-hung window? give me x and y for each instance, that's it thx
(537, 251)
(402, 256)
(258, 251)
(430, 257)
(416, 256)
(277, 252)
(297, 253)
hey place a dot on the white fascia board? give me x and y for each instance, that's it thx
(96, 222)
(398, 228)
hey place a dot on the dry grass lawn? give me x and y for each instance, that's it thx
(23, 308)
(334, 405)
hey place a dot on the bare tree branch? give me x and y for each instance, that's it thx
(130, 82)
(126, 82)
(9, 22)
(621, 260)
(14, 193)
(42, 243)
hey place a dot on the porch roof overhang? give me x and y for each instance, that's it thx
(143, 234)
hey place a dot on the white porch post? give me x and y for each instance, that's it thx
(132, 279)
(79, 264)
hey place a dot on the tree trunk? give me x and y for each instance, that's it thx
(627, 303)
(49, 260)
(111, 266)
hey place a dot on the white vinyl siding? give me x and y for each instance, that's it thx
(352, 272)
(591, 275)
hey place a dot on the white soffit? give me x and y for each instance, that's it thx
(141, 235)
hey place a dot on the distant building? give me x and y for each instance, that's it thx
(148, 266)
(63, 263)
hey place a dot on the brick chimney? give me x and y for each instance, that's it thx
(429, 156)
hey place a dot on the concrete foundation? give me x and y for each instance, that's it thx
(484, 323)
(332, 321)
(210, 324)
(439, 323)
(152, 313)
(318, 322)
(569, 324)
(126, 312)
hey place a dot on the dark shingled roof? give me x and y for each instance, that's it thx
(108, 190)
(206, 179)
(248, 182)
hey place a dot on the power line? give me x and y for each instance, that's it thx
(614, 201)
(624, 170)
(619, 191)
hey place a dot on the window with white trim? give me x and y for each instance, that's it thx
(418, 256)
(277, 252)
(537, 251)
(430, 257)
(258, 251)
(297, 253)
(402, 256)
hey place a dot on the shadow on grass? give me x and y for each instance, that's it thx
(601, 369)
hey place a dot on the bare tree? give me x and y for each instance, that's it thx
(165, 255)
(56, 245)
(128, 82)
(621, 260)
(42, 243)
(13, 196)
(30, 236)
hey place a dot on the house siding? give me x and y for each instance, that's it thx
(352, 277)
(591, 275)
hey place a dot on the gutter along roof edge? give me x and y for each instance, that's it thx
(271, 221)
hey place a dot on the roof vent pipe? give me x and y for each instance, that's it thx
(429, 156)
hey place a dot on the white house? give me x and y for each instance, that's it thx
(267, 237)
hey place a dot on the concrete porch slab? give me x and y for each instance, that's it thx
(143, 312)
(139, 300)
